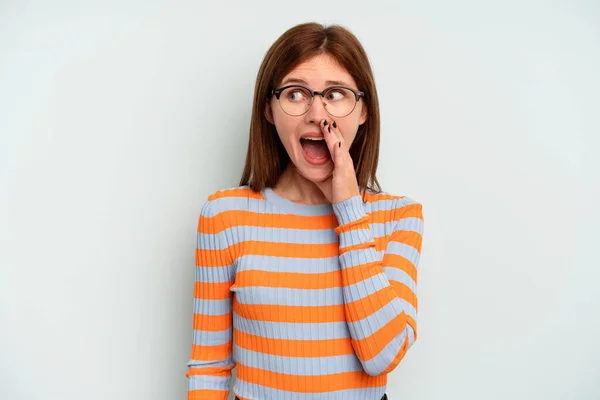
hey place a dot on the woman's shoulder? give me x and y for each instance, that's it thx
(244, 192)
(229, 199)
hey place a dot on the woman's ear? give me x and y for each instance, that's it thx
(363, 115)
(268, 114)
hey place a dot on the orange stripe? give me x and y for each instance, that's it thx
(408, 211)
(212, 291)
(210, 225)
(309, 383)
(358, 246)
(221, 258)
(399, 356)
(369, 347)
(296, 250)
(410, 238)
(373, 197)
(380, 216)
(212, 371)
(293, 348)
(212, 323)
(212, 258)
(361, 223)
(359, 273)
(404, 292)
(203, 394)
(292, 280)
(366, 306)
(236, 192)
(211, 353)
(414, 210)
(381, 243)
(232, 218)
(280, 313)
(396, 261)
(412, 323)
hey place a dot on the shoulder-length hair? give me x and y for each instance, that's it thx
(266, 157)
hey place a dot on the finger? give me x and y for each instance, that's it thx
(335, 142)
(335, 129)
(341, 151)
(336, 153)
(331, 138)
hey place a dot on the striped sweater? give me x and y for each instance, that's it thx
(306, 301)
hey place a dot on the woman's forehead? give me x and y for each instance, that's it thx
(319, 71)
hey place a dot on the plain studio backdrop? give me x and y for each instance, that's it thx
(118, 119)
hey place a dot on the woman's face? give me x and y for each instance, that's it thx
(311, 158)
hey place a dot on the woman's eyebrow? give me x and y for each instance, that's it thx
(303, 82)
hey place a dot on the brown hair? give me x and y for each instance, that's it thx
(266, 157)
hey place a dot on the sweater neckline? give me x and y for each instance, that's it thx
(292, 207)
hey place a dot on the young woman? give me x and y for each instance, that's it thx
(306, 273)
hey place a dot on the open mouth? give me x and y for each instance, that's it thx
(315, 150)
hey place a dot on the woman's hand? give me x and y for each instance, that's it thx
(342, 183)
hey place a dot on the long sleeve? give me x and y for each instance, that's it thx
(380, 294)
(211, 362)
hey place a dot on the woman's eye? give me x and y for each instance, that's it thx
(335, 95)
(296, 96)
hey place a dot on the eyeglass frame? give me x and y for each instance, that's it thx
(357, 94)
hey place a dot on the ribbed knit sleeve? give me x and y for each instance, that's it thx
(211, 362)
(380, 293)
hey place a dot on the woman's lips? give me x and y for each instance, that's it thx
(311, 134)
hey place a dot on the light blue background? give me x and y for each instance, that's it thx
(117, 119)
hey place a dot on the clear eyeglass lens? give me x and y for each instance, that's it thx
(338, 101)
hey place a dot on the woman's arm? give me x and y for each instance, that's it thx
(380, 295)
(211, 362)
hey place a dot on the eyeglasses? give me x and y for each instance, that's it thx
(296, 100)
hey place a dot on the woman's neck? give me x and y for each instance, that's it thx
(293, 186)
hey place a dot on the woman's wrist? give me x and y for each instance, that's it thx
(349, 210)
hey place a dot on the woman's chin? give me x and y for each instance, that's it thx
(316, 174)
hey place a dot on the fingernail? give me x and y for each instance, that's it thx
(339, 144)
(329, 129)
(334, 125)
(325, 123)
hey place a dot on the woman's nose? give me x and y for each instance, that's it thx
(317, 111)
